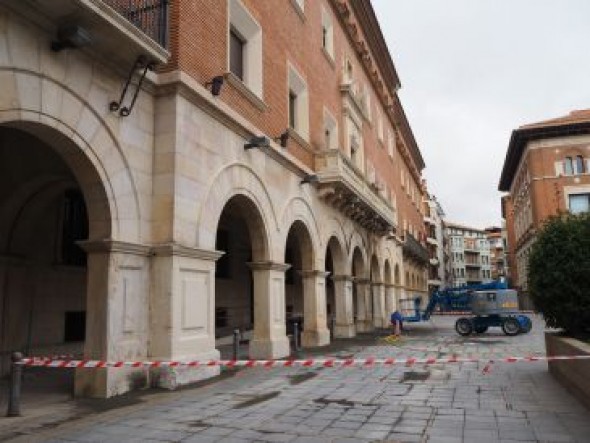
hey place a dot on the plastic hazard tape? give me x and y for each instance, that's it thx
(327, 363)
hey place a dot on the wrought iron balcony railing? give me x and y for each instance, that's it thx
(150, 16)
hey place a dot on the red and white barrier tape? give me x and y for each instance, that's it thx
(328, 363)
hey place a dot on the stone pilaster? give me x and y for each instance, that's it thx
(344, 306)
(315, 332)
(390, 301)
(363, 293)
(379, 311)
(269, 339)
(182, 320)
(117, 319)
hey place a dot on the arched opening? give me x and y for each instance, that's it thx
(51, 198)
(358, 274)
(375, 307)
(299, 256)
(242, 237)
(333, 265)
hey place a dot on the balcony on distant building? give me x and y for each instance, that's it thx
(118, 30)
(343, 186)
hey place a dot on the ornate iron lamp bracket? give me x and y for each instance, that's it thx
(142, 65)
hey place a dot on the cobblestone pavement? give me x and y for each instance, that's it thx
(435, 403)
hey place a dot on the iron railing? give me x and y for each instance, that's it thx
(151, 16)
(414, 249)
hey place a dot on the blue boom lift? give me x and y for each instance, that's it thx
(492, 304)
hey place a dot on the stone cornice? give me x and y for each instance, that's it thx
(342, 278)
(177, 250)
(268, 266)
(314, 273)
(110, 246)
(374, 55)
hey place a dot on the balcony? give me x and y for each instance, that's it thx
(428, 220)
(472, 264)
(414, 250)
(343, 186)
(432, 241)
(119, 30)
(434, 261)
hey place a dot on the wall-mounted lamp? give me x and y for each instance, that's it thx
(257, 142)
(283, 138)
(216, 83)
(310, 178)
(71, 36)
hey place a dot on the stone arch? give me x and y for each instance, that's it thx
(396, 275)
(236, 180)
(375, 272)
(298, 212)
(84, 140)
(387, 275)
(305, 242)
(357, 243)
(333, 228)
(407, 281)
(338, 254)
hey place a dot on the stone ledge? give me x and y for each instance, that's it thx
(572, 374)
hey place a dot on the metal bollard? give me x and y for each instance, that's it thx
(16, 376)
(296, 335)
(236, 344)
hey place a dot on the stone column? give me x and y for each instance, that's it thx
(269, 339)
(390, 301)
(363, 292)
(379, 311)
(117, 317)
(344, 306)
(315, 332)
(182, 318)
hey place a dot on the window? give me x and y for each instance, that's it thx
(327, 33)
(380, 132)
(236, 54)
(391, 144)
(298, 104)
(580, 169)
(568, 166)
(74, 326)
(330, 131)
(579, 203)
(245, 47)
(74, 228)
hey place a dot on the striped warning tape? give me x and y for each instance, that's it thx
(329, 362)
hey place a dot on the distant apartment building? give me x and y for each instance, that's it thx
(496, 239)
(469, 253)
(545, 173)
(434, 227)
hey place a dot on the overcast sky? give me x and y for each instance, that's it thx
(474, 70)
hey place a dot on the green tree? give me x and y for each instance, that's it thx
(559, 272)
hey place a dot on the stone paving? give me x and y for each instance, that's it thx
(514, 402)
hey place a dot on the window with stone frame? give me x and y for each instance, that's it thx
(245, 47)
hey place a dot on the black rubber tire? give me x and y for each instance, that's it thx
(464, 326)
(528, 325)
(480, 329)
(510, 326)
